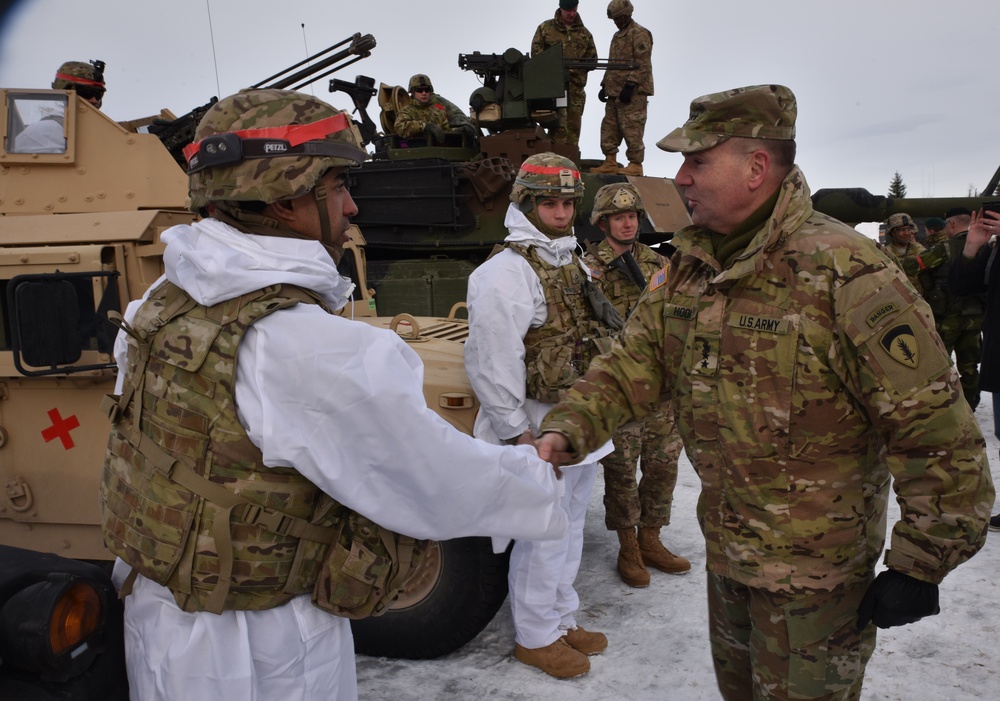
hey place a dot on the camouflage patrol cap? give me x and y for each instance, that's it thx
(267, 145)
(546, 175)
(73, 73)
(614, 199)
(420, 81)
(755, 112)
(620, 8)
(900, 221)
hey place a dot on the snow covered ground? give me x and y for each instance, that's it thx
(658, 639)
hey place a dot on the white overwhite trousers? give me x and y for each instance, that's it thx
(542, 597)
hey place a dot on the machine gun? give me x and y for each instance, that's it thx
(178, 133)
(525, 86)
(360, 91)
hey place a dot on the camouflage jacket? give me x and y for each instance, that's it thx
(633, 43)
(616, 285)
(803, 377)
(576, 40)
(413, 119)
(909, 262)
(942, 301)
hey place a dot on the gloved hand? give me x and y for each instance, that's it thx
(468, 130)
(602, 95)
(625, 96)
(895, 599)
(435, 132)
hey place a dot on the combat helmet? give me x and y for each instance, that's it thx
(420, 81)
(620, 8)
(546, 175)
(87, 79)
(899, 221)
(267, 145)
(615, 199)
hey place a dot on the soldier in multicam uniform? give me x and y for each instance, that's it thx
(806, 377)
(959, 320)
(621, 266)
(902, 249)
(235, 466)
(626, 93)
(531, 335)
(567, 28)
(430, 114)
(47, 135)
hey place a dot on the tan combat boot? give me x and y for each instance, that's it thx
(630, 566)
(609, 167)
(585, 641)
(655, 555)
(632, 169)
(557, 660)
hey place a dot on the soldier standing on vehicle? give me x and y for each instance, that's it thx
(567, 28)
(621, 267)
(959, 320)
(268, 423)
(47, 135)
(430, 114)
(809, 384)
(531, 334)
(626, 93)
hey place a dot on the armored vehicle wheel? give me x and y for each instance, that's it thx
(456, 594)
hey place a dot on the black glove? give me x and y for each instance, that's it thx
(467, 129)
(602, 95)
(625, 96)
(435, 132)
(895, 599)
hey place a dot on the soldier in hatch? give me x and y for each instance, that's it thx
(621, 267)
(253, 424)
(47, 135)
(809, 385)
(431, 115)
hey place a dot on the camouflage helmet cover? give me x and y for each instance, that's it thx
(753, 112)
(547, 175)
(255, 125)
(615, 199)
(74, 73)
(420, 81)
(620, 8)
(900, 221)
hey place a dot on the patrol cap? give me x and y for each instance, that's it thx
(957, 212)
(934, 223)
(899, 221)
(568, 4)
(754, 112)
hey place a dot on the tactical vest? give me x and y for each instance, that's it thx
(558, 353)
(186, 498)
(614, 282)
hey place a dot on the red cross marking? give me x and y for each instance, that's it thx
(60, 428)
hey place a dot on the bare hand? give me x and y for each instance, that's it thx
(983, 226)
(554, 449)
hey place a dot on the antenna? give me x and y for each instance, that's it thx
(305, 45)
(215, 60)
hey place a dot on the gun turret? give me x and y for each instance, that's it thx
(178, 133)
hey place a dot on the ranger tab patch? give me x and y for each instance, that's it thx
(901, 345)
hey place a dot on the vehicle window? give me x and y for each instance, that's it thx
(35, 123)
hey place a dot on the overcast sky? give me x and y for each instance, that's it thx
(882, 85)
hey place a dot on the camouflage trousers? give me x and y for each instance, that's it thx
(657, 446)
(780, 647)
(962, 336)
(625, 121)
(571, 117)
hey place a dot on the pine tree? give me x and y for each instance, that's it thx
(896, 188)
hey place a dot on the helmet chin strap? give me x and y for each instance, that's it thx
(335, 250)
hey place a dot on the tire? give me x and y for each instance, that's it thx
(456, 596)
